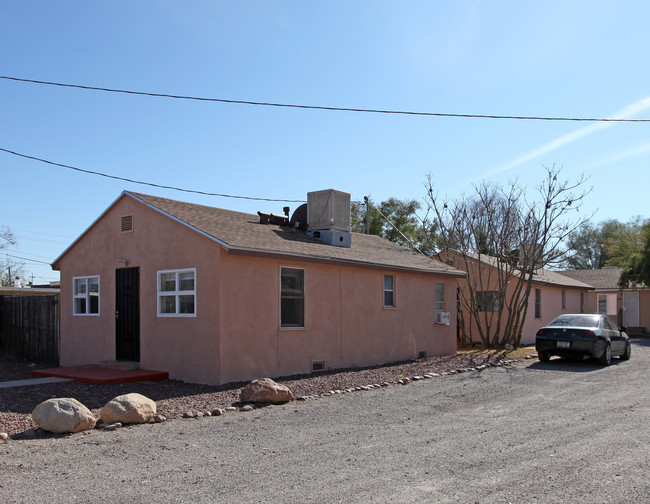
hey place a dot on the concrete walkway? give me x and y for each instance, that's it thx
(32, 381)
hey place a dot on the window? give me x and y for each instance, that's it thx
(292, 297)
(563, 299)
(389, 291)
(582, 302)
(487, 301)
(86, 295)
(602, 304)
(538, 303)
(439, 297)
(177, 293)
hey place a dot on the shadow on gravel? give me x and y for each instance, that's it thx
(572, 365)
(644, 342)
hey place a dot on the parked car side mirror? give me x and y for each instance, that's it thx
(623, 328)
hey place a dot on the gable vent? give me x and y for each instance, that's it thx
(127, 223)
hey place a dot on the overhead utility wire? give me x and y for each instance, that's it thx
(317, 107)
(147, 183)
(413, 245)
(27, 259)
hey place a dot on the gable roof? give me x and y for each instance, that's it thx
(540, 276)
(242, 232)
(605, 278)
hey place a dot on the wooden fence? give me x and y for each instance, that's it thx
(29, 328)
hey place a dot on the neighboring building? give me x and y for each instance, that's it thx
(214, 296)
(551, 295)
(629, 307)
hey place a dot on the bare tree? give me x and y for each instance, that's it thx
(7, 237)
(502, 237)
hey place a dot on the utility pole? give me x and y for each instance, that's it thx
(367, 226)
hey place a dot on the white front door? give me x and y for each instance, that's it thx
(631, 309)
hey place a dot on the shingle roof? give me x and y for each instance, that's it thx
(606, 278)
(541, 275)
(242, 231)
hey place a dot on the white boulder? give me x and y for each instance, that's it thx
(63, 414)
(128, 409)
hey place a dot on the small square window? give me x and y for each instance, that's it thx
(85, 295)
(177, 293)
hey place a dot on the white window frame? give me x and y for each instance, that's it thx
(176, 293)
(437, 304)
(392, 291)
(86, 296)
(604, 297)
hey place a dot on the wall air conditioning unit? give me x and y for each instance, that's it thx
(443, 318)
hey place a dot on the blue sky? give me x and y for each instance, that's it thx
(554, 58)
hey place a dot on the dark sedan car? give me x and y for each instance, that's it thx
(583, 335)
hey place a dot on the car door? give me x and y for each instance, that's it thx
(617, 339)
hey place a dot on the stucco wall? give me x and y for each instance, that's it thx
(236, 333)
(484, 278)
(346, 323)
(186, 347)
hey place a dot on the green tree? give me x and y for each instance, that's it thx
(396, 220)
(633, 255)
(589, 247)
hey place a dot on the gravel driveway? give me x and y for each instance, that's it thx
(569, 432)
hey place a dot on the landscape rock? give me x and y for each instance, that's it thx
(267, 391)
(128, 409)
(63, 415)
(4, 436)
(217, 412)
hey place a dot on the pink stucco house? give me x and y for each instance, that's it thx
(214, 296)
(551, 295)
(628, 307)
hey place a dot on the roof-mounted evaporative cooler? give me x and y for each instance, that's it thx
(328, 217)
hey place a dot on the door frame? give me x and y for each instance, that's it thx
(127, 314)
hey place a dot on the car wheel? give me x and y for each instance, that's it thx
(628, 352)
(606, 358)
(543, 356)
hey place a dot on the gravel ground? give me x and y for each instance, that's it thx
(174, 398)
(558, 432)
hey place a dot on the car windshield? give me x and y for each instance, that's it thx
(577, 321)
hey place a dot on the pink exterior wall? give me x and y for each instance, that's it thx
(614, 307)
(346, 324)
(236, 333)
(484, 278)
(156, 243)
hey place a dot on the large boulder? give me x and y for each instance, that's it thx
(63, 414)
(128, 409)
(265, 390)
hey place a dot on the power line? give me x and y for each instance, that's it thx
(27, 259)
(132, 181)
(318, 107)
